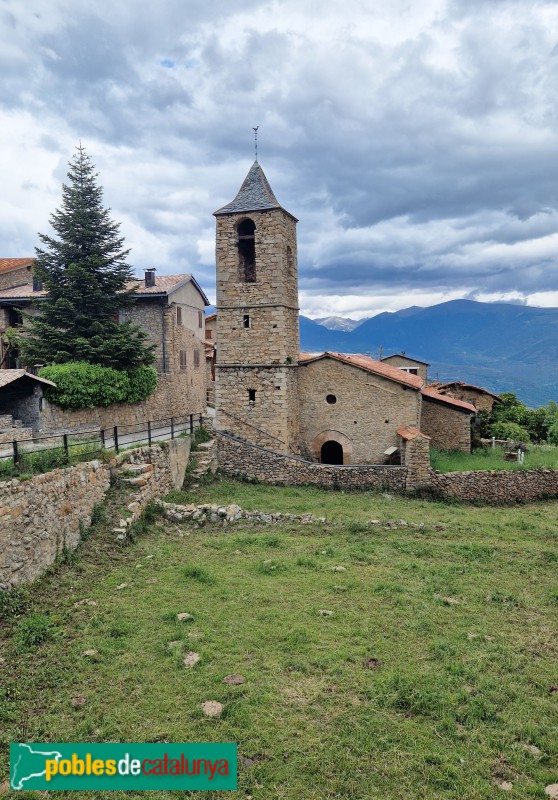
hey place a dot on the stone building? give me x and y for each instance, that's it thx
(482, 399)
(330, 407)
(170, 309)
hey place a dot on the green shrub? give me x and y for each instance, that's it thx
(82, 385)
(509, 430)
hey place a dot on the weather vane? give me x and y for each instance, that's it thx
(256, 140)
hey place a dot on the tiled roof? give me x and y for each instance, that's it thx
(409, 358)
(8, 376)
(368, 364)
(432, 394)
(439, 386)
(7, 264)
(408, 433)
(164, 284)
(255, 194)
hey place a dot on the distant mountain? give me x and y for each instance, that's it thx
(339, 323)
(500, 346)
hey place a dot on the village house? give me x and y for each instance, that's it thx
(482, 399)
(169, 308)
(330, 407)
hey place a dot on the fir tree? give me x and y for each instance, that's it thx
(85, 275)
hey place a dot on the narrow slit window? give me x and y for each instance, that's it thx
(183, 359)
(251, 395)
(247, 251)
(196, 357)
(200, 319)
(178, 315)
(246, 320)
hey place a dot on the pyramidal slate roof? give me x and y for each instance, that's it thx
(255, 194)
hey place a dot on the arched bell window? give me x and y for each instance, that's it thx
(247, 251)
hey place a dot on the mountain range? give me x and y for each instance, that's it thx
(501, 346)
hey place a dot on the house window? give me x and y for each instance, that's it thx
(410, 370)
(247, 251)
(16, 317)
(209, 334)
(183, 359)
(178, 315)
(251, 396)
(200, 319)
(246, 320)
(196, 357)
(290, 263)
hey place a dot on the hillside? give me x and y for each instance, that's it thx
(501, 346)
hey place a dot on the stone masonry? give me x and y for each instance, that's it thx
(448, 429)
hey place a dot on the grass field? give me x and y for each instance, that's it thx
(488, 458)
(436, 676)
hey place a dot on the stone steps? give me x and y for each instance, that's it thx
(203, 458)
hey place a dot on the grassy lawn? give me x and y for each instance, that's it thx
(454, 461)
(435, 677)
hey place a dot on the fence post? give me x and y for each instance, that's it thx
(172, 427)
(65, 441)
(16, 453)
(191, 424)
(149, 433)
(115, 434)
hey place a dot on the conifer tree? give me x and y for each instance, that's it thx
(84, 272)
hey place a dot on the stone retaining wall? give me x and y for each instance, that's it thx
(40, 517)
(242, 459)
(44, 515)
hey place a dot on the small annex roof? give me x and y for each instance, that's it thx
(255, 194)
(8, 376)
(368, 364)
(408, 433)
(8, 264)
(164, 285)
(409, 358)
(460, 405)
(439, 386)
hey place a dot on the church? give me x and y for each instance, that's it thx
(331, 408)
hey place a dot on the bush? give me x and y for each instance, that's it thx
(33, 631)
(509, 430)
(552, 436)
(82, 385)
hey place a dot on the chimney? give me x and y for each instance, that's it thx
(149, 277)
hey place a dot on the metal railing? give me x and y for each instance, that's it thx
(43, 452)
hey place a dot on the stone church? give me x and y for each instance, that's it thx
(332, 408)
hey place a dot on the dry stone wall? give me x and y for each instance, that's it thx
(239, 458)
(496, 486)
(42, 516)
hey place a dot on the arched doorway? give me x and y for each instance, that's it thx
(331, 453)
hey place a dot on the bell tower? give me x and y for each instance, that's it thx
(256, 372)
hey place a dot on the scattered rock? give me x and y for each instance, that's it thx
(323, 612)
(86, 602)
(4, 787)
(211, 708)
(90, 653)
(452, 601)
(152, 580)
(151, 556)
(387, 496)
(489, 638)
(552, 690)
(471, 635)
(339, 569)
(233, 680)
(530, 748)
(122, 585)
(371, 663)
(184, 617)
(190, 659)
(552, 791)
(78, 701)
(506, 786)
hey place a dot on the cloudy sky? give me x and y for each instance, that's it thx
(416, 142)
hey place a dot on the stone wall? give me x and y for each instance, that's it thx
(447, 427)
(238, 458)
(399, 360)
(40, 517)
(366, 414)
(15, 277)
(166, 401)
(496, 486)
